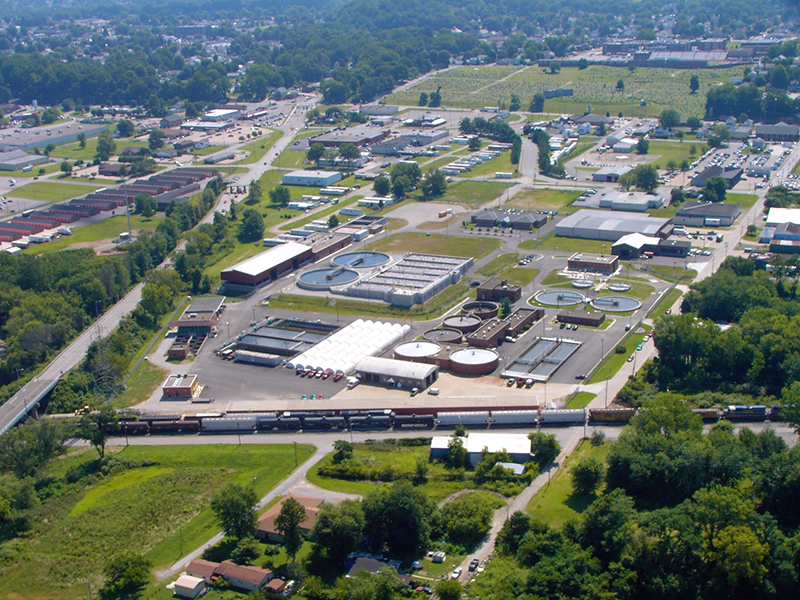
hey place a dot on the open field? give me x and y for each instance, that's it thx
(501, 164)
(107, 229)
(393, 224)
(556, 503)
(48, 168)
(72, 150)
(474, 87)
(669, 273)
(668, 151)
(744, 200)
(563, 244)
(614, 361)
(147, 379)
(497, 265)
(640, 291)
(453, 221)
(51, 191)
(473, 194)
(401, 243)
(155, 500)
(545, 199)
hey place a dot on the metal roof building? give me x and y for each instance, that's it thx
(267, 266)
(396, 373)
(698, 214)
(610, 226)
(311, 178)
(517, 445)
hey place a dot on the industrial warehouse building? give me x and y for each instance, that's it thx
(636, 245)
(711, 214)
(39, 137)
(631, 201)
(594, 263)
(517, 445)
(311, 178)
(607, 225)
(396, 373)
(611, 174)
(359, 136)
(731, 176)
(19, 159)
(781, 132)
(524, 221)
(267, 266)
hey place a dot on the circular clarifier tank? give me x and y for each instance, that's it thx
(324, 279)
(616, 304)
(463, 323)
(443, 336)
(482, 309)
(582, 284)
(559, 298)
(473, 361)
(360, 260)
(619, 287)
(416, 351)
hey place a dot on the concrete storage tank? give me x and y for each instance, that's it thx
(416, 351)
(473, 361)
(566, 416)
(444, 336)
(514, 418)
(481, 309)
(479, 418)
(462, 323)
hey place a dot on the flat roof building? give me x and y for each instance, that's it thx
(311, 178)
(267, 266)
(201, 317)
(611, 174)
(712, 214)
(596, 263)
(496, 289)
(180, 386)
(13, 160)
(396, 373)
(360, 136)
(517, 445)
(780, 132)
(778, 216)
(580, 317)
(631, 201)
(610, 226)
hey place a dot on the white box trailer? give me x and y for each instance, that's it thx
(564, 416)
(514, 418)
(478, 418)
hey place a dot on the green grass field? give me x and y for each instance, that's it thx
(497, 265)
(545, 199)
(140, 387)
(744, 200)
(614, 361)
(451, 223)
(562, 244)
(107, 229)
(72, 151)
(259, 147)
(52, 167)
(400, 243)
(668, 151)
(393, 224)
(501, 164)
(580, 400)
(670, 273)
(473, 194)
(51, 191)
(153, 509)
(555, 504)
(640, 291)
(474, 87)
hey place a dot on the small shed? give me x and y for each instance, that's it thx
(189, 587)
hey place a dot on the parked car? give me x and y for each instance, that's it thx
(473, 564)
(456, 573)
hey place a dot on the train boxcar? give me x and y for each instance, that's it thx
(228, 424)
(746, 413)
(478, 418)
(167, 427)
(708, 415)
(134, 427)
(370, 422)
(266, 423)
(413, 422)
(611, 415)
(562, 418)
(514, 418)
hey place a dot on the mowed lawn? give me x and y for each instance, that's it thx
(555, 504)
(52, 191)
(668, 151)
(148, 509)
(545, 199)
(473, 194)
(400, 243)
(106, 229)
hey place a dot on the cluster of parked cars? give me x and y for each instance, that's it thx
(319, 373)
(567, 326)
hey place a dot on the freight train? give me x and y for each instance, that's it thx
(384, 420)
